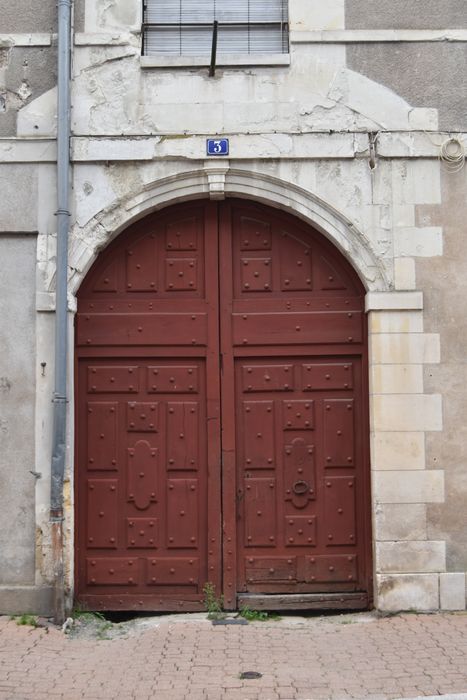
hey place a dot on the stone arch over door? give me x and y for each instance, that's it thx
(221, 182)
(222, 379)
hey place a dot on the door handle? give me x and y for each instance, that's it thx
(300, 487)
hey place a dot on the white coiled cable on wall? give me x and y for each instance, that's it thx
(452, 154)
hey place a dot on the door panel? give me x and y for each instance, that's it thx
(148, 521)
(298, 488)
(198, 307)
(147, 490)
(294, 412)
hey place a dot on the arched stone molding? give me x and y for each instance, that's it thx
(217, 180)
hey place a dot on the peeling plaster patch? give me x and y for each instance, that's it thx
(4, 58)
(44, 558)
(125, 179)
(335, 117)
(374, 101)
(24, 91)
(101, 57)
(39, 117)
(307, 15)
(105, 15)
(12, 101)
(93, 191)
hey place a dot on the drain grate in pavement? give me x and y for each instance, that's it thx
(250, 675)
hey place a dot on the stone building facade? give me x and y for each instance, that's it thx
(345, 132)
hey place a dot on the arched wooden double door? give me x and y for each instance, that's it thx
(222, 432)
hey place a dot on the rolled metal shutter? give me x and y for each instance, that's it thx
(184, 27)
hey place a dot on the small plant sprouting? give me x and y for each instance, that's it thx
(257, 615)
(25, 619)
(213, 602)
(103, 629)
(87, 615)
(93, 620)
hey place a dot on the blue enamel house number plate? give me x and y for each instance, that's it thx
(217, 147)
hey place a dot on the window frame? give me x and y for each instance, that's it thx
(236, 58)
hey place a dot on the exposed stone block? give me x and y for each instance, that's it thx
(452, 591)
(403, 215)
(400, 521)
(404, 348)
(425, 486)
(393, 301)
(407, 592)
(395, 322)
(396, 379)
(404, 273)
(418, 242)
(407, 412)
(394, 451)
(408, 557)
(416, 182)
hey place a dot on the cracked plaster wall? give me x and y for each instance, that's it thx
(113, 96)
(426, 74)
(25, 74)
(17, 399)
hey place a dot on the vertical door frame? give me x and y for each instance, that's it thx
(229, 476)
(213, 398)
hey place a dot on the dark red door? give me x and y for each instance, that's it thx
(277, 339)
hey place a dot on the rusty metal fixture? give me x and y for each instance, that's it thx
(198, 307)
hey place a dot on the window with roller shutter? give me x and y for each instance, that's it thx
(185, 27)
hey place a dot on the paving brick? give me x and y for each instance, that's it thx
(371, 658)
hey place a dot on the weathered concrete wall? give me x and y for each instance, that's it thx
(445, 283)
(17, 400)
(25, 74)
(78, 15)
(405, 14)
(425, 74)
(24, 16)
(19, 187)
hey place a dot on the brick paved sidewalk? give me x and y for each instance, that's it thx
(351, 656)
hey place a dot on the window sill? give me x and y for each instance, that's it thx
(223, 60)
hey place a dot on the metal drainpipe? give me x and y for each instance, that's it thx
(61, 307)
